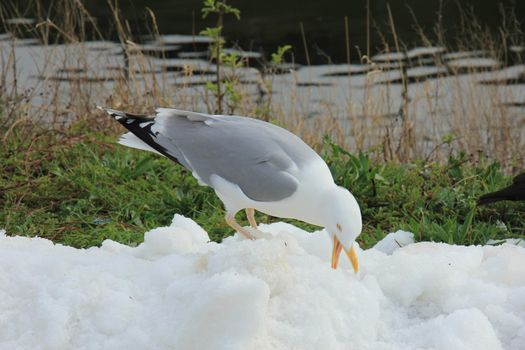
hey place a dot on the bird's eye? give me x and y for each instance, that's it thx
(339, 227)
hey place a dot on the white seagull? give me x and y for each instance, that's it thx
(251, 165)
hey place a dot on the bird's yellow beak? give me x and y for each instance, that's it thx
(336, 251)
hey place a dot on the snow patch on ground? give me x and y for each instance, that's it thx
(177, 290)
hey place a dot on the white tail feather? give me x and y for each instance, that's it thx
(130, 140)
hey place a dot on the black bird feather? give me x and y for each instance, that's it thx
(514, 192)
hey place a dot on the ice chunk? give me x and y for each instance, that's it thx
(393, 241)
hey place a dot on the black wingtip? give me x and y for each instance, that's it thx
(489, 198)
(519, 179)
(140, 125)
(514, 192)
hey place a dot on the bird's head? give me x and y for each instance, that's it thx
(343, 223)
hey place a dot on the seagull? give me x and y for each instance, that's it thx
(251, 165)
(514, 192)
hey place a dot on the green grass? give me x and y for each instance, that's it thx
(435, 201)
(80, 188)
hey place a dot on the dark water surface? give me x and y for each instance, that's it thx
(266, 24)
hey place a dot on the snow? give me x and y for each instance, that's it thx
(474, 62)
(389, 56)
(425, 51)
(178, 290)
(514, 241)
(464, 54)
(394, 240)
(21, 21)
(181, 39)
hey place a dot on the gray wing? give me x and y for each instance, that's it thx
(255, 155)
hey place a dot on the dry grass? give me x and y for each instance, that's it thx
(478, 125)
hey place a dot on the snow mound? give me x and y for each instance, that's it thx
(177, 290)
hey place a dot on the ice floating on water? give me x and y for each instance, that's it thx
(177, 290)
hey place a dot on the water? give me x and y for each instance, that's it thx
(438, 91)
(264, 25)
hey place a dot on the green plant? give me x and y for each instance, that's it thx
(219, 8)
(435, 201)
(278, 56)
